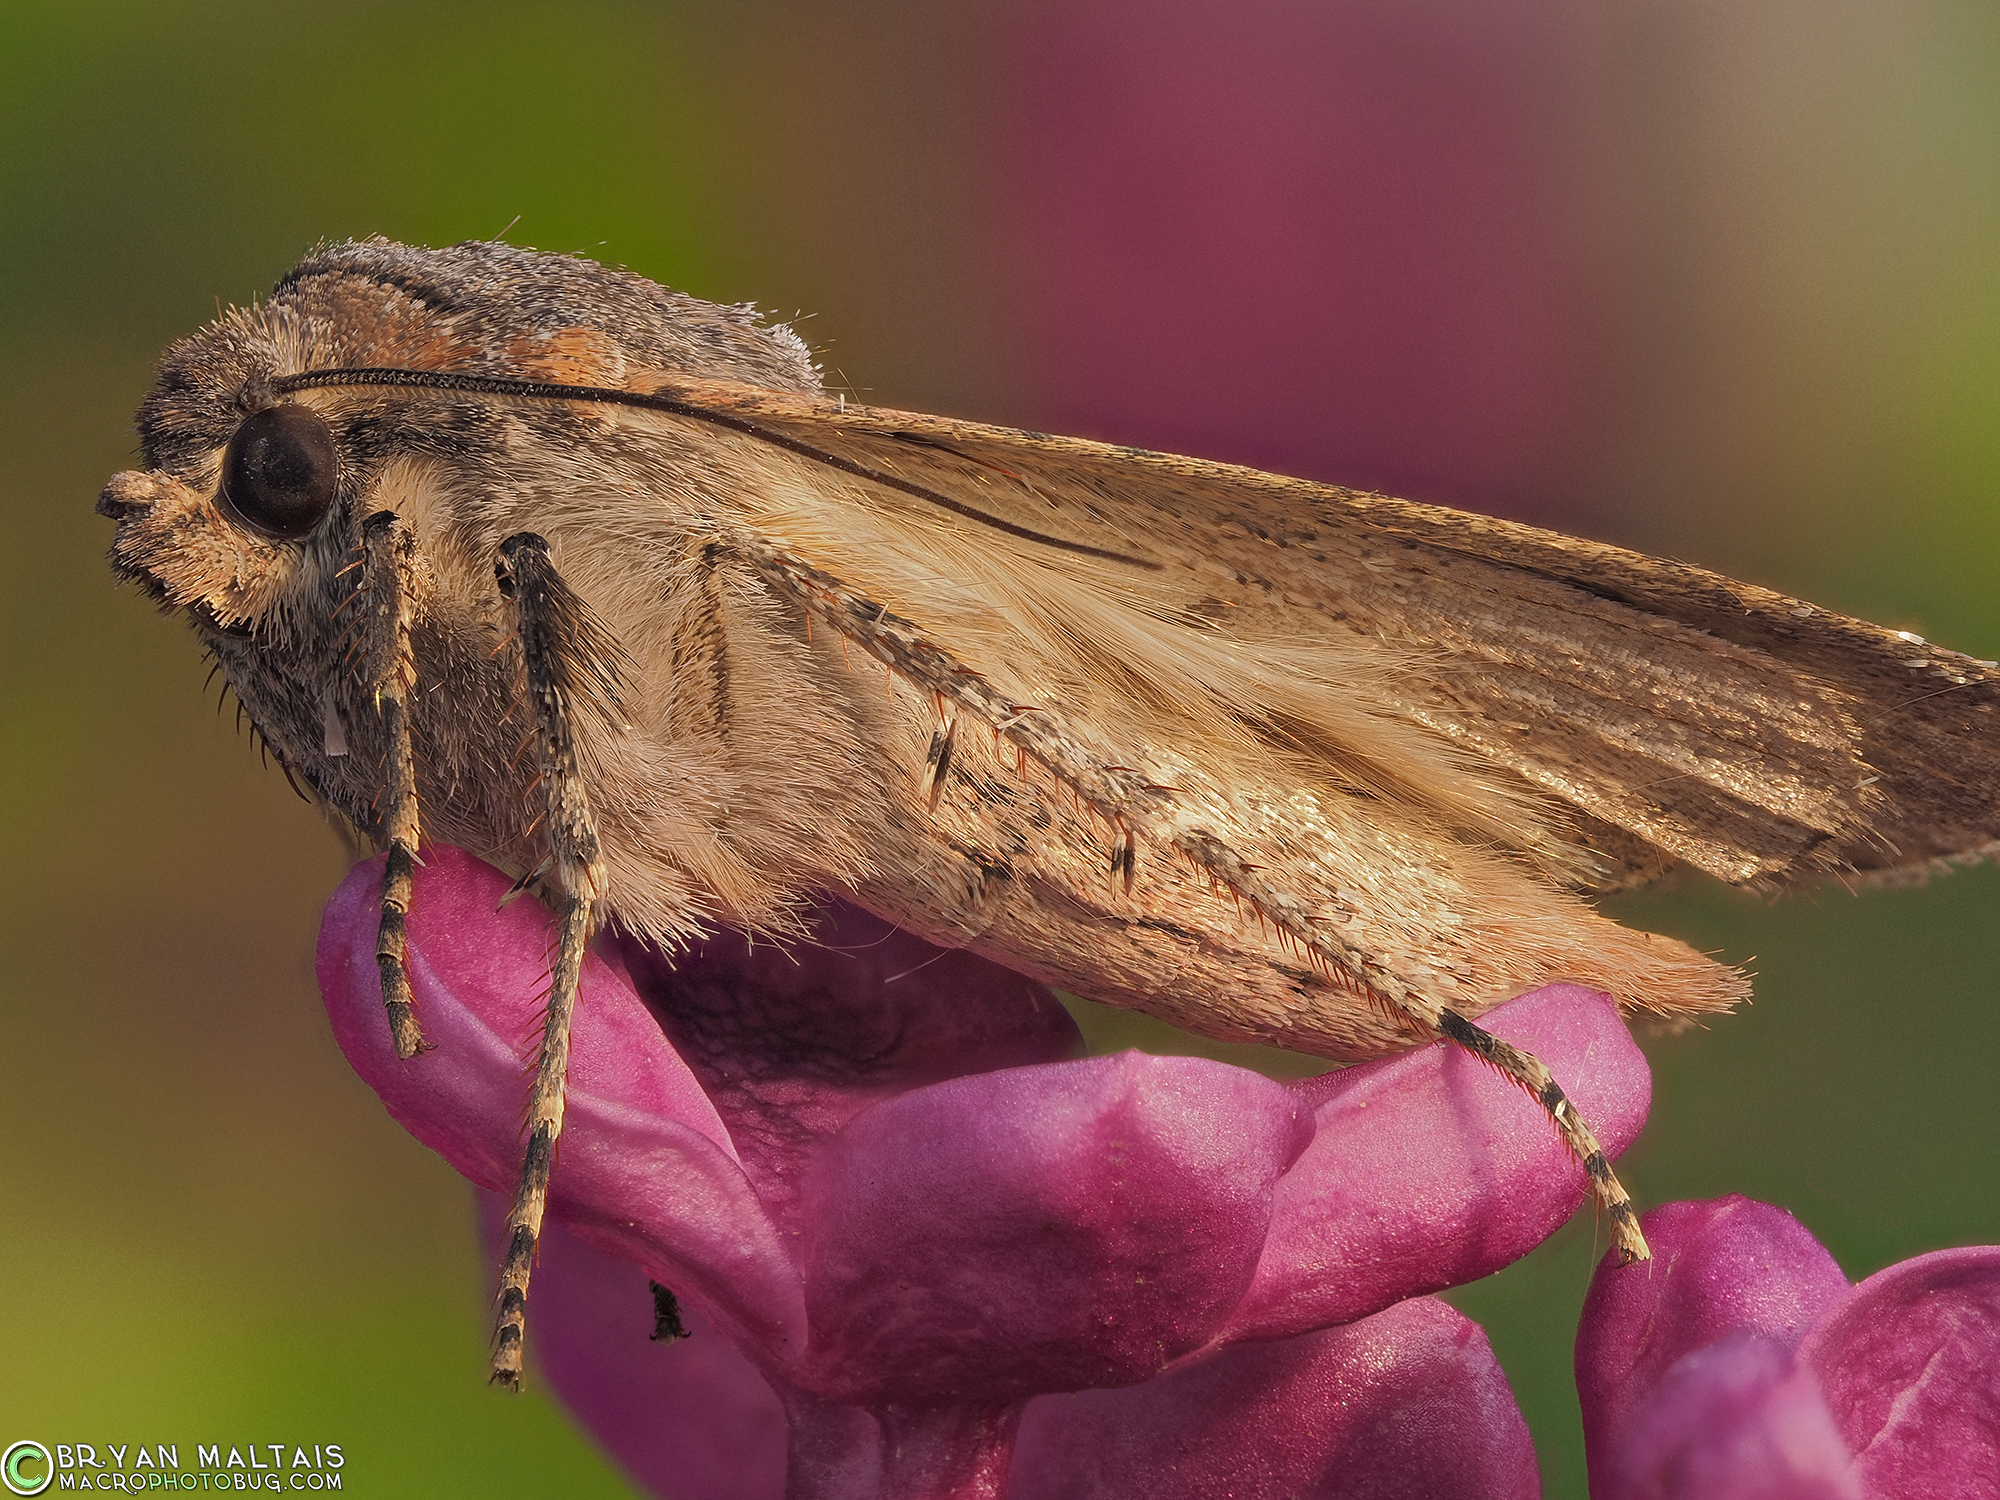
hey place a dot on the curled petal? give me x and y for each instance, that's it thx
(1908, 1364)
(1731, 1266)
(1734, 1420)
(691, 1418)
(645, 1166)
(793, 1041)
(1406, 1405)
(1429, 1170)
(1049, 1228)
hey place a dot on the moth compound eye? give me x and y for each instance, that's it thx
(279, 474)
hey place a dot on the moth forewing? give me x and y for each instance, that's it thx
(1278, 761)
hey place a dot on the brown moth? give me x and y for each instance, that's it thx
(590, 578)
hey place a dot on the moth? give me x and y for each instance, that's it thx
(591, 578)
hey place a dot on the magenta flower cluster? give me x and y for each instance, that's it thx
(928, 1250)
(1744, 1365)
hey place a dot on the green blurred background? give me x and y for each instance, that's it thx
(1763, 236)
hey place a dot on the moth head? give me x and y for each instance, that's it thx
(226, 537)
(253, 490)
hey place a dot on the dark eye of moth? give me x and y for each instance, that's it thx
(279, 473)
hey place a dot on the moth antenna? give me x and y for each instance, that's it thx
(555, 630)
(668, 400)
(388, 557)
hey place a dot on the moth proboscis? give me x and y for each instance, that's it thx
(588, 577)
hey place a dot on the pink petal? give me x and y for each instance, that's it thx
(644, 1168)
(1727, 1267)
(1910, 1364)
(1037, 1229)
(1731, 1421)
(792, 1042)
(1429, 1170)
(692, 1419)
(1407, 1405)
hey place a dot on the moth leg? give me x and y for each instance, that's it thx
(569, 666)
(388, 554)
(1532, 1074)
(1131, 803)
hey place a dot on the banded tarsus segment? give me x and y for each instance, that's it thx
(1139, 808)
(1532, 1074)
(570, 665)
(388, 670)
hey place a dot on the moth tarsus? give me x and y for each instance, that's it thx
(567, 662)
(1531, 1073)
(388, 554)
(545, 1118)
(391, 952)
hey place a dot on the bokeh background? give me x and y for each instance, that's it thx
(1712, 279)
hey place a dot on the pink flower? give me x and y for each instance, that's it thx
(1745, 1365)
(903, 1215)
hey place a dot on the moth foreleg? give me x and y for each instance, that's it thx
(561, 660)
(388, 554)
(1533, 1075)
